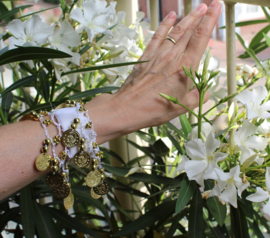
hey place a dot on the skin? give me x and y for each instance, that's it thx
(136, 105)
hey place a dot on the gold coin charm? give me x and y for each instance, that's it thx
(61, 192)
(82, 159)
(54, 180)
(70, 138)
(93, 178)
(42, 162)
(94, 195)
(102, 189)
(69, 201)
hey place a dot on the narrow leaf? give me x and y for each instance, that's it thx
(148, 219)
(195, 225)
(185, 193)
(30, 53)
(175, 143)
(259, 36)
(176, 130)
(247, 23)
(27, 212)
(10, 13)
(185, 125)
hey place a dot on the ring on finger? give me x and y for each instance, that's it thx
(170, 39)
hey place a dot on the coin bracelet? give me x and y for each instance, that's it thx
(80, 134)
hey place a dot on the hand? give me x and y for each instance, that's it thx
(138, 104)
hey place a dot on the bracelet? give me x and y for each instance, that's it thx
(75, 131)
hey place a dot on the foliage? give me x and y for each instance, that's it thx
(173, 203)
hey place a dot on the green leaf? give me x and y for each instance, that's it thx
(70, 222)
(259, 37)
(107, 66)
(257, 49)
(185, 193)
(256, 229)
(92, 92)
(161, 148)
(185, 125)
(266, 14)
(148, 219)
(7, 16)
(6, 103)
(218, 210)
(45, 225)
(147, 178)
(176, 130)
(27, 212)
(113, 154)
(239, 225)
(175, 143)
(173, 226)
(267, 38)
(30, 53)
(18, 232)
(83, 193)
(7, 216)
(247, 23)
(33, 13)
(195, 224)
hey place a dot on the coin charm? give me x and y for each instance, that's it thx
(70, 138)
(69, 201)
(102, 189)
(42, 162)
(82, 159)
(94, 195)
(54, 180)
(93, 178)
(61, 192)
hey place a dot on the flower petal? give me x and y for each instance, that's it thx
(181, 166)
(245, 131)
(244, 97)
(195, 171)
(211, 144)
(77, 15)
(266, 208)
(229, 195)
(196, 149)
(16, 28)
(259, 196)
(89, 9)
(256, 142)
(258, 94)
(267, 179)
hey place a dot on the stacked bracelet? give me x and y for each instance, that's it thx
(79, 139)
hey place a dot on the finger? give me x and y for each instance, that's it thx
(200, 38)
(180, 29)
(161, 33)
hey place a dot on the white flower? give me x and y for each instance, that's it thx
(31, 32)
(217, 93)
(262, 195)
(60, 65)
(252, 101)
(64, 37)
(227, 185)
(203, 159)
(92, 22)
(245, 137)
(205, 130)
(246, 71)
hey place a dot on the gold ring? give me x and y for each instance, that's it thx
(170, 39)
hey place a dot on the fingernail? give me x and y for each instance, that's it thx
(172, 15)
(201, 7)
(213, 3)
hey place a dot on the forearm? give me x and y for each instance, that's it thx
(21, 143)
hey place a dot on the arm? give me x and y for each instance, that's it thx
(136, 105)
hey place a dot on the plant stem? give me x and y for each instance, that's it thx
(3, 118)
(200, 116)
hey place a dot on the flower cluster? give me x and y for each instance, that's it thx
(91, 32)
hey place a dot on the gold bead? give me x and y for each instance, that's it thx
(55, 161)
(45, 122)
(84, 109)
(82, 147)
(63, 174)
(47, 141)
(102, 170)
(66, 167)
(55, 168)
(94, 166)
(43, 112)
(36, 118)
(76, 120)
(63, 154)
(33, 114)
(95, 161)
(73, 103)
(68, 184)
(68, 102)
(88, 125)
(81, 109)
(102, 176)
(45, 149)
(73, 126)
(94, 144)
(82, 140)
